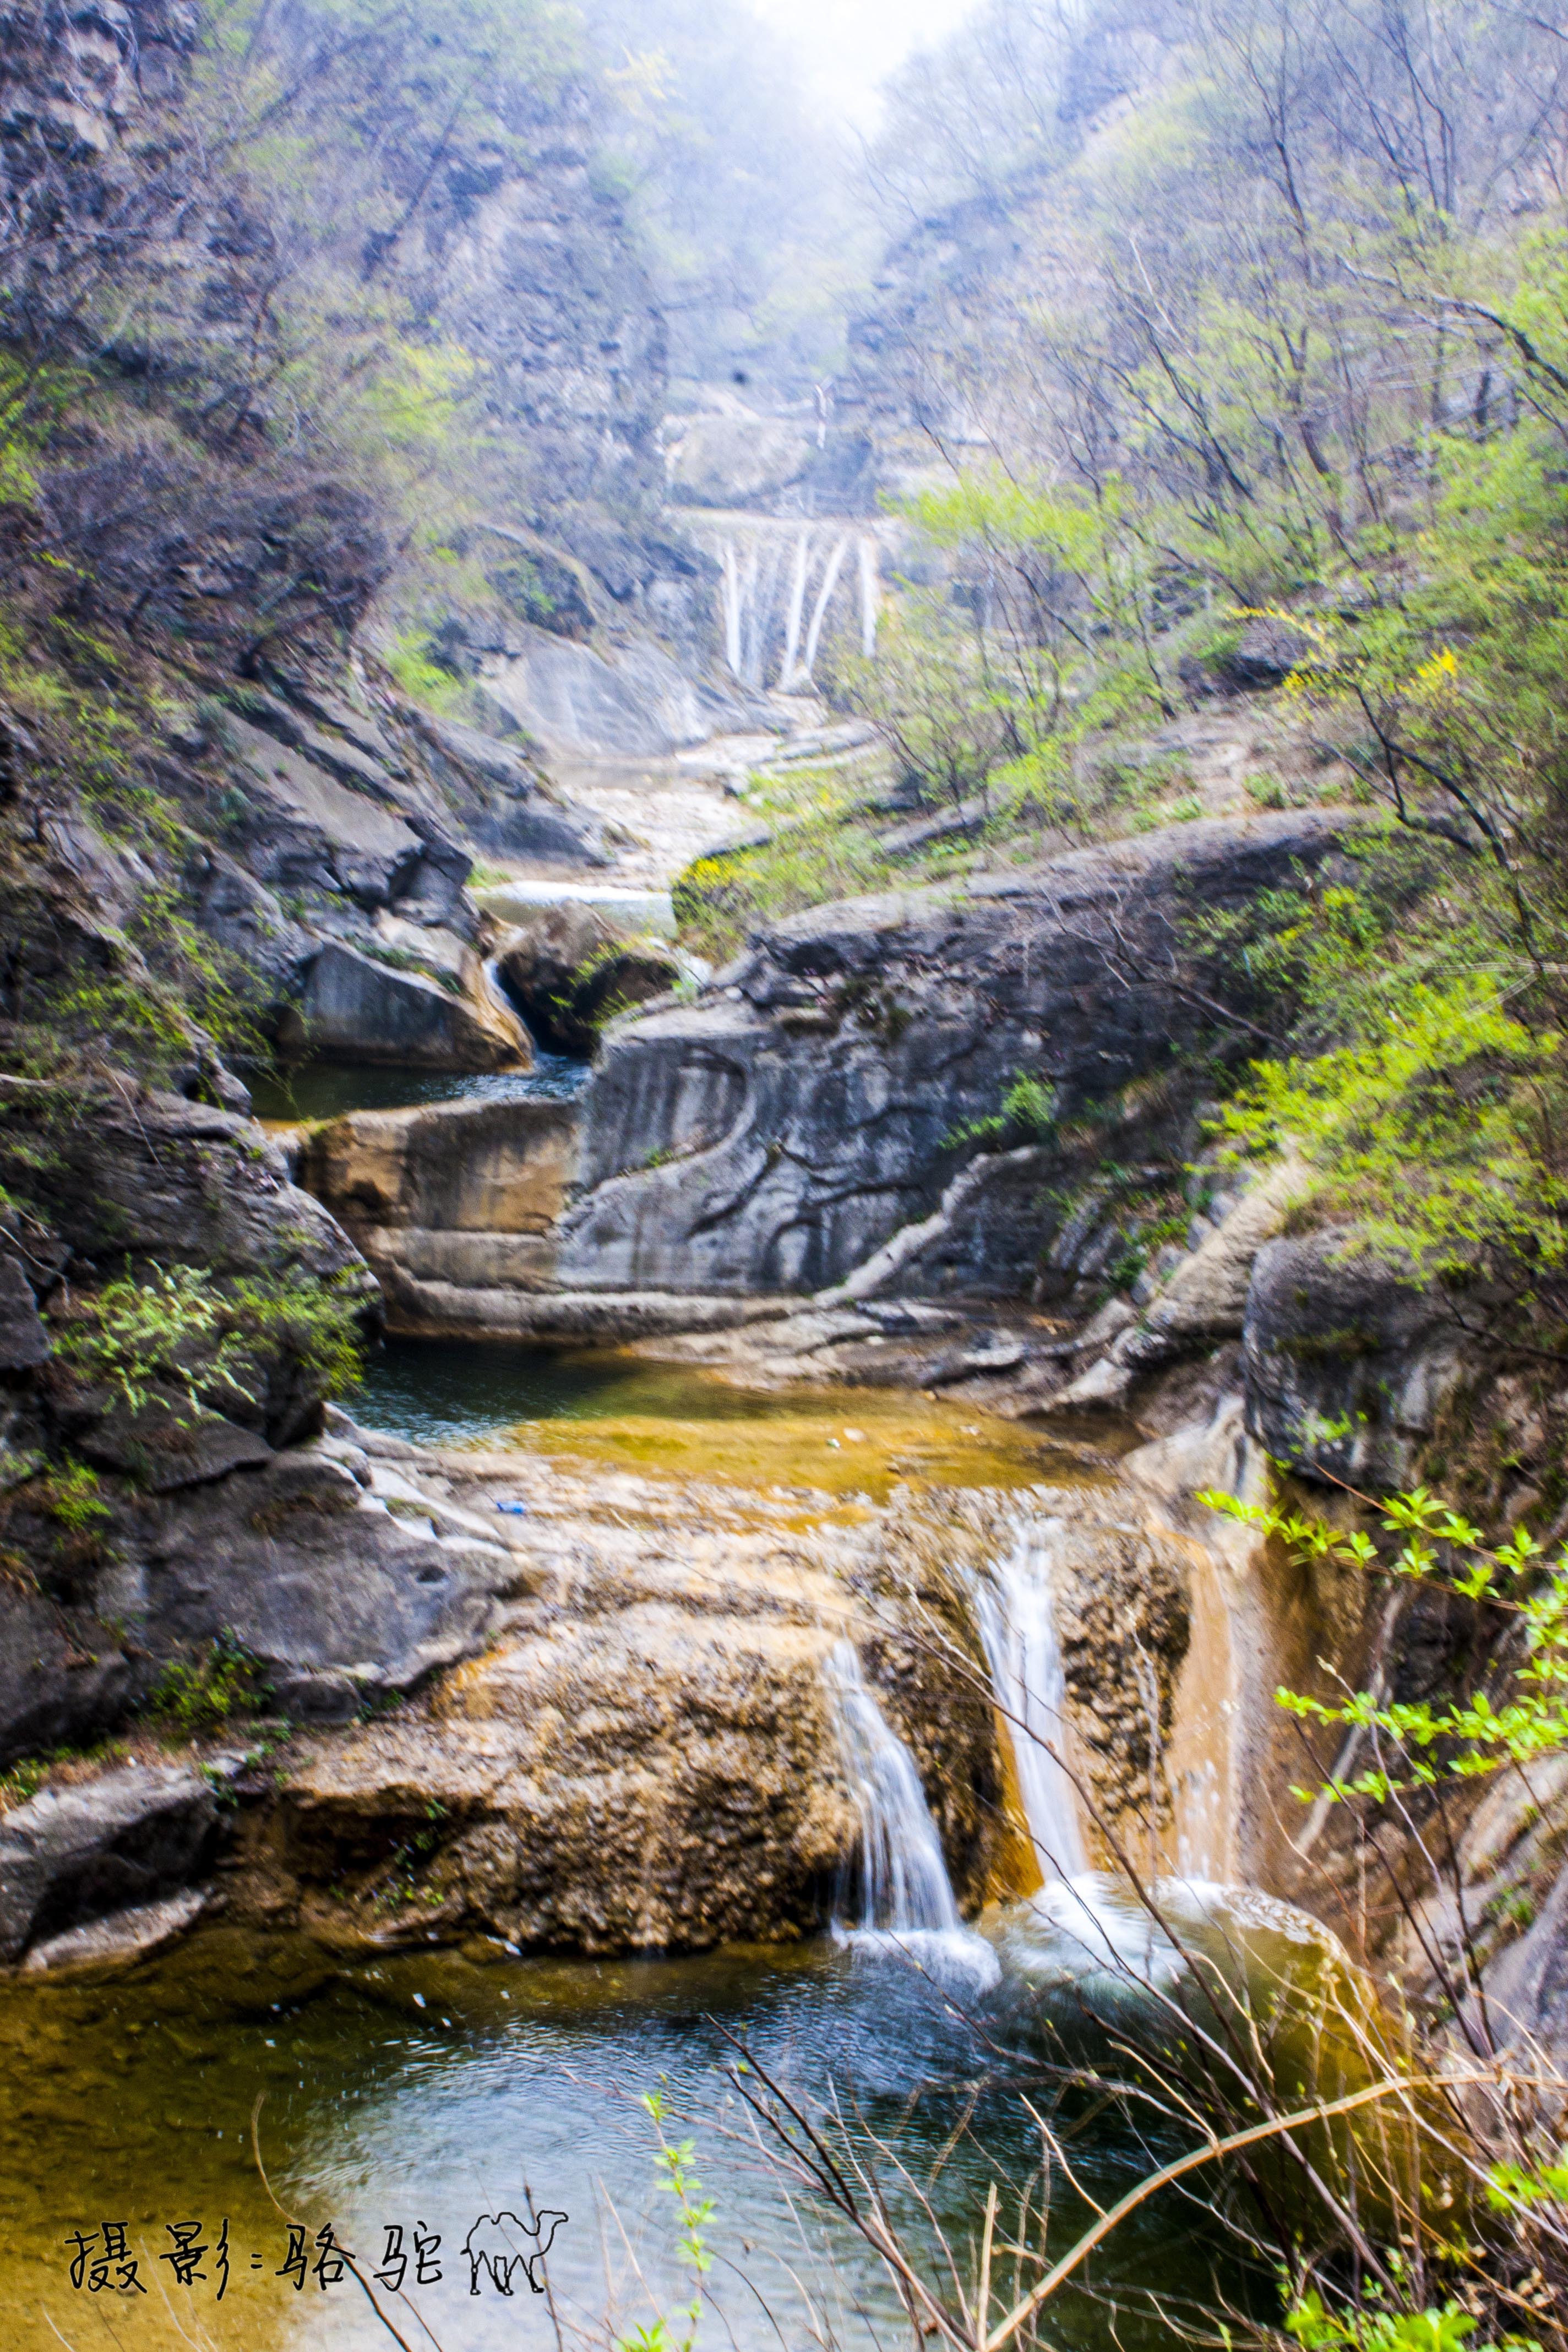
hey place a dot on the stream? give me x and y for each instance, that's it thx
(417, 2092)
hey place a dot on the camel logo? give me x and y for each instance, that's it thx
(492, 2245)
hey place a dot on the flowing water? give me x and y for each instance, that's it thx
(251, 2084)
(782, 585)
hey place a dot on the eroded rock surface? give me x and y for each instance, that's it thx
(774, 1135)
(73, 1854)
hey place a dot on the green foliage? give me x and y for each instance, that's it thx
(177, 1330)
(1436, 1131)
(1028, 1114)
(194, 1695)
(1364, 2326)
(1472, 1736)
(677, 2331)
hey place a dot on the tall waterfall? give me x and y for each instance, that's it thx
(781, 582)
(1018, 1627)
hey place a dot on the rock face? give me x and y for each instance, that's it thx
(771, 1136)
(465, 1194)
(156, 1529)
(1346, 1366)
(72, 1854)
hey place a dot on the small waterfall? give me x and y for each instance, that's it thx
(1019, 1627)
(773, 572)
(907, 1888)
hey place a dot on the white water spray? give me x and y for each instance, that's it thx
(906, 1898)
(1018, 1627)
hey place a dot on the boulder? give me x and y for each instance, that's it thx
(357, 1008)
(462, 1195)
(475, 1166)
(340, 1596)
(571, 971)
(73, 1854)
(117, 1942)
(307, 831)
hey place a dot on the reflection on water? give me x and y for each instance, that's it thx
(327, 1089)
(433, 2088)
(613, 1407)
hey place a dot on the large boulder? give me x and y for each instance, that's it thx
(571, 970)
(451, 1204)
(815, 1100)
(73, 1854)
(354, 1007)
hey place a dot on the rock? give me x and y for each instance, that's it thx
(71, 1855)
(118, 1941)
(307, 831)
(1202, 1301)
(726, 1149)
(506, 804)
(493, 1166)
(340, 1597)
(571, 973)
(1346, 1364)
(364, 1011)
(117, 1175)
(24, 1342)
(648, 1757)
(167, 1446)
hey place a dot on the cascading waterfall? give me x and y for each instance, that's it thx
(1078, 1916)
(906, 1898)
(773, 572)
(1019, 1627)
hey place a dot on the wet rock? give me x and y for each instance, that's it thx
(357, 1007)
(72, 1854)
(646, 1756)
(1346, 1364)
(118, 1941)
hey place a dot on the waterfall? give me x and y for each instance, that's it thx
(870, 597)
(797, 607)
(834, 565)
(773, 572)
(1019, 1627)
(906, 1896)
